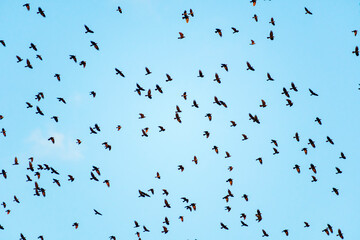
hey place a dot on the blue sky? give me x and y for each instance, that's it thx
(313, 51)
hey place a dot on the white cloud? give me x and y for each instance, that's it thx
(63, 149)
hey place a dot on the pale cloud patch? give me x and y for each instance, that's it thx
(63, 149)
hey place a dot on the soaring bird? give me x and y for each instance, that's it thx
(217, 78)
(94, 44)
(289, 103)
(269, 78)
(338, 171)
(73, 57)
(61, 100)
(263, 103)
(234, 30)
(335, 190)
(271, 36)
(3, 131)
(147, 71)
(41, 12)
(118, 72)
(307, 11)
(223, 226)
(297, 137)
(19, 59)
(293, 87)
(97, 212)
(3, 43)
(255, 17)
(200, 74)
(329, 140)
(83, 63)
(181, 35)
(265, 233)
(195, 104)
(340, 234)
(253, 2)
(249, 67)
(297, 167)
(165, 231)
(27, 5)
(223, 65)
(217, 30)
(52, 139)
(355, 32)
(272, 21)
(286, 231)
(28, 64)
(285, 91)
(88, 30)
(76, 225)
(252, 42)
(168, 78)
(119, 9)
(356, 51)
(312, 93)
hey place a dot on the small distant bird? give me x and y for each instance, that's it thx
(3, 132)
(147, 71)
(181, 35)
(223, 65)
(234, 30)
(271, 36)
(217, 30)
(318, 120)
(28, 64)
(73, 57)
(3, 43)
(355, 32)
(52, 139)
(307, 11)
(56, 119)
(107, 182)
(119, 9)
(265, 233)
(269, 78)
(356, 51)
(27, 5)
(39, 57)
(41, 12)
(306, 224)
(286, 231)
(297, 167)
(297, 137)
(57, 76)
(168, 78)
(263, 103)
(94, 44)
(223, 226)
(249, 67)
(293, 87)
(201, 74)
(97, 212)
(272, 21)
(92, 93)
(61, 100)
(76, 225)
(255, 17)
(88, 30)
(118, 72)
(252, 42)
(19, 59)
(83, 63)
(312, 93)
(335, 190)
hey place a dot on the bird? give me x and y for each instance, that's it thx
(244, 137)
(338, 171)
(83, 63)
(255, 17)
(181, 168)
(93, 94)
(286, 231)
(147, 71)
(217, 30)
(306, 224)
(209, 116)
(157, 175)
(313, 168)
(265, 233)
(342, 156)
(52, 139)
(3, 132)
(223, 226)
(340, 234)
(57, 76)
(225, 66)
(3, 43)
(57, 182)
(307, 11)
(253, 2)
(181, 35)
(41, 12)
(318, 120)
(249, 67)
(158, 88)
(263, 103)
(269, 78)
(293, 87)
(312, 93)
(118, 72)
(274, 142)
(271, 35)
(217, 78)
(33, 46)
(27, 5)
(335, 190)
(145, 229)
(168, 78)
(252, 42)
(286, 93)
(234, 30)
(71, 178)
(329, 140)
(184, 95)
(119, 9)
(94, 44)
(60, 99)
(314, 179)
(88, 30)
(39, 57)
(76, 225)
(272, 21)
(305, 150)
(97, 212)
(297, 167)
(355, 32)
(73, 57)
(297, 136)
(162, 129)
(216, 149)
(195, 160)
(311, 142)
(227, 154)
(107, 182)
(260, 160)
(289, 103)
(356, 51)
(19, 59)
(195, 104)
(28, 64)
(201, 75)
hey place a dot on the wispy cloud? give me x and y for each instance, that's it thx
(64, 148)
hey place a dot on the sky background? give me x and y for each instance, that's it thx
(313, 51)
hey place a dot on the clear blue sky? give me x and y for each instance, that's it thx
(313, 51)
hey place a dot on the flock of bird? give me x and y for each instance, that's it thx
(36, 170)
